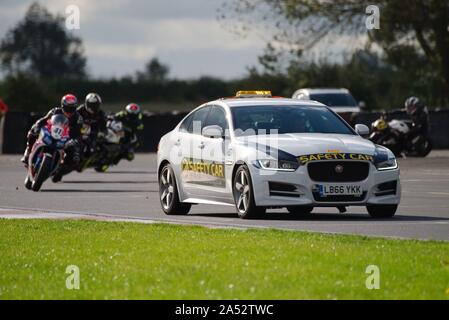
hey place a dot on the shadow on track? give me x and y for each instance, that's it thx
(97, 191)
(128, 172)
(109, 181)
(326, 217)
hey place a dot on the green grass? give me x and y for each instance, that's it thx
(161, 261)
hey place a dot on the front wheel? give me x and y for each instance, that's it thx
(102, 168)
(168, 193)
(244, 195)
(28, 183)
(382, 211)
(43, 173)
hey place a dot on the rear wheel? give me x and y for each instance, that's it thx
(424, 148)
(300, 210)
(168, 193)
(244, 195)
(382, 211)
(42, 174)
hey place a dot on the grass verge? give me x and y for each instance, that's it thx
(162, 261)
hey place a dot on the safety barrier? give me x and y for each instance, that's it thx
(17, 124)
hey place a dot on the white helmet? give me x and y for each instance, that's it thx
(133, 109)
(93, 102)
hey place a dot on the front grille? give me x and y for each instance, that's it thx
(347, 198)
(327, 171)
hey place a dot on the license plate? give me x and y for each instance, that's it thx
(339, 190)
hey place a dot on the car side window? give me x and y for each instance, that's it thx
(186, 123)
(217, 116)
(198, 120)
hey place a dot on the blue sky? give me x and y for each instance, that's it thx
(119, 36)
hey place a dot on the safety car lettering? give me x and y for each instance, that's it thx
(334, 156)
(209, 168)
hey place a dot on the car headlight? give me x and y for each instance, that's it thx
(278, 165)
(383, 160)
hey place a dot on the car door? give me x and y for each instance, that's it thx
(190, 147)
(214, 177)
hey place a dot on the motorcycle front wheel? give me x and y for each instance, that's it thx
(28, 183)
(42, 173)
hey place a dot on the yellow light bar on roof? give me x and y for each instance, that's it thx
(253, 94)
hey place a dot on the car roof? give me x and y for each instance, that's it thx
(323, 90)
(239, 102)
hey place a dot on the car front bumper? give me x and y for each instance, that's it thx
(303, 193)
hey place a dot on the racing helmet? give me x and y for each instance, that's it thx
(69, 103)
(413, 105)
(92, 102)
(380, 125)
(133, 110)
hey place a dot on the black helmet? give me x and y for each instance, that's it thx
(69, 103)
(413, 105)
(92, 102)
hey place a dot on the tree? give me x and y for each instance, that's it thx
(23, 93)
(417, 28)
(154, 71)
(40, 45)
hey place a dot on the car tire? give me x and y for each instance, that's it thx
(382, 211)
(300, 210)
(168, 193)
(244, 196)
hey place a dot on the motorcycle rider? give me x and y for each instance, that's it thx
(93, 117)
(68, 107)
(419, 116)
(131, 119)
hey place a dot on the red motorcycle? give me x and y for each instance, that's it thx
(47, 152)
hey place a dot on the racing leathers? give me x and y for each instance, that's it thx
(419, 123)
(93, 124)
(131, 125)
(72, 148)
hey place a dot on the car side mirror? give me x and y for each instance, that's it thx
(362, 130)
(212, 131)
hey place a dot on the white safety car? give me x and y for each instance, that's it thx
(256, 152)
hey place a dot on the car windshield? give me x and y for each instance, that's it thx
(251, 120)
(334, 99)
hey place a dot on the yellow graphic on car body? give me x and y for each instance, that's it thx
(334, 156)
(209, 168)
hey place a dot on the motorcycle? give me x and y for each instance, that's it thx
(90, 152)
(47, 152)
(394, 136)
(109, 146)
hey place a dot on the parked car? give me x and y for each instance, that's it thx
(339, 100)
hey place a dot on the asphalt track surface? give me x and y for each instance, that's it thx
(130, 190)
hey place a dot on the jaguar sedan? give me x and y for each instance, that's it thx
(256, 152)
